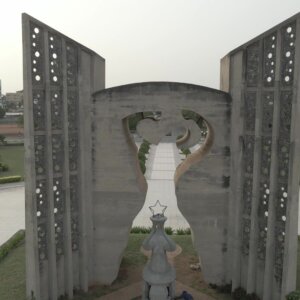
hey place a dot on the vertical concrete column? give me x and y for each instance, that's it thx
(32, 255)
(235, 84)
(68, 273)
(59, 79)
(52, 280)
(270, 243)
(84, 151)
(291, 229)
(270, 268)
(254, 231)
(97, 84)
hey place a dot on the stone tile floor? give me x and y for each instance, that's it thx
(161, 164)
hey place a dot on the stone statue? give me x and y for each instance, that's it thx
(159, 275)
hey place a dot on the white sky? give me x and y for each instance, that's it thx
(144, 40)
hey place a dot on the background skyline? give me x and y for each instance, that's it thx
(143, 40)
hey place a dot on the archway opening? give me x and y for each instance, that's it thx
(163, 165)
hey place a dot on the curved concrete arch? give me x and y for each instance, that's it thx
(120, 187)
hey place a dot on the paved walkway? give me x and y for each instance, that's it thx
(12, 210)
(135, 290)
(160, 167)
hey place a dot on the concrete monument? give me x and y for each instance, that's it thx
(239, 191)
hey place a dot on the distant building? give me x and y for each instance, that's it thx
(16, 97)
(11, 127)
(2, 101)
(2, 98)
(14, 101)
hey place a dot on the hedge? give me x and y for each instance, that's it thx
(9, 179)
(293, 295)
(144, 148)
(12, 243)
(143, 167)
(140, 229)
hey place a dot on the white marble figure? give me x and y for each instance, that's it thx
(159, 275)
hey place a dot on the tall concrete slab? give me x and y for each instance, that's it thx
(84, 186)
(262, 78)
(59, 79)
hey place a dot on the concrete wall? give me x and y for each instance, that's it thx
(262, 77)
(59, 77)
(120, 188)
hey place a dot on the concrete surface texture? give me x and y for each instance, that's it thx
(120, 188)
(262, 77)
(60, 75)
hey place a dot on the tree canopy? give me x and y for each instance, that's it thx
(2, 112)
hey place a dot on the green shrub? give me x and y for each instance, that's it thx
(140, 229)
(2, 112)
(186, 151)
(9, 179)
(144, 148)
(222, 289)
(11, 243)
(182, 231)
(133, 120)
(293, 295)
(2, 139)
(142, 166)
(239, 294)
(142, 156)
(3, 167)
(12, 144)
(188, 231)
(169, 230)
(252, 297)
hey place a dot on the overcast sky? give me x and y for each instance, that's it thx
(144, 40)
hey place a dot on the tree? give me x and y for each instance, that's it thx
(20, 121)
(2, 112)
(2, 139)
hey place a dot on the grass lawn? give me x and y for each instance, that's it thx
(13, 156)
(12, 271)
(12, 275)
(298, 265)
